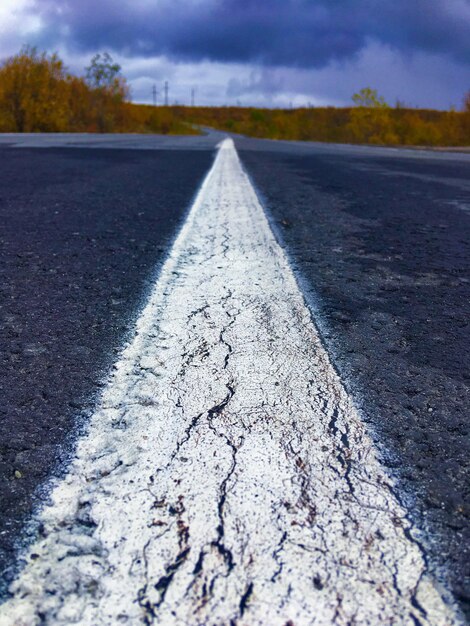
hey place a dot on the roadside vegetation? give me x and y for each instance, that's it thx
(39, 94)
(370, 121)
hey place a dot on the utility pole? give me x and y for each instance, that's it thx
(193, 94)
(166, 93)
(154, 94)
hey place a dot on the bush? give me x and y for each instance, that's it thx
(34, 93)
(38, 94)
(375, 123)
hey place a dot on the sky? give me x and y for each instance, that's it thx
(259, 52)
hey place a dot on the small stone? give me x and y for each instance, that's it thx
(18, 474)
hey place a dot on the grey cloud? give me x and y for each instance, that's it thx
(292, 33)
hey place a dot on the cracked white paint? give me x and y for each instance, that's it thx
(226, 477)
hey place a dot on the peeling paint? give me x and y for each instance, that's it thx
(226, 477)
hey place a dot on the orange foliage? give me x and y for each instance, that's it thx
(33, 93)
(38, 94)
(371, 125)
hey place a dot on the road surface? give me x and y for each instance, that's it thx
(377, 241)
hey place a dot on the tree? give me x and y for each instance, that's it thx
(370, 121)
(110, 90)
(370, 99)
(34, 92)
(103, 73)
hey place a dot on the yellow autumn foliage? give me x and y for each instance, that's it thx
(361, 125)
(38, 94)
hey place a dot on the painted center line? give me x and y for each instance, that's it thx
(226, 477)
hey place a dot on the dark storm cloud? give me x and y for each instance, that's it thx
(302, 33)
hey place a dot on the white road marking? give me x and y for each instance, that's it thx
(226, 478)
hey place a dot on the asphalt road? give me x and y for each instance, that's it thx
(381, 245)
(83, 233)
(379, 240)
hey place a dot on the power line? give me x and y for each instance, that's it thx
(166, 93)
